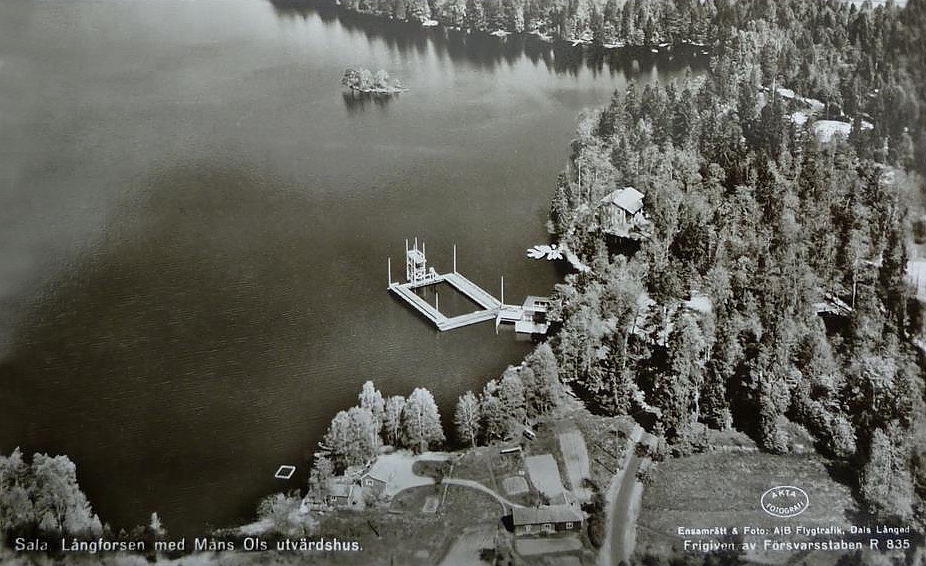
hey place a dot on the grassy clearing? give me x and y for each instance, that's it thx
(489, 467)
(436, 469)
(604, 437)
(407, 533)
(723, 489)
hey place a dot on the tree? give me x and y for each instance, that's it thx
(544, 392)
(421, 425)
(281, 511)
(60, 505)
(156, 527)
(475, 15)
(418, 11)
(371, 399)
(351, 437)
(16, 509)
(494, 421)
(677, 391)
(44, 496)
(392, 419)
(892, 276)
(511, 394)
(322, 471)
(466, 418)
(887, 485)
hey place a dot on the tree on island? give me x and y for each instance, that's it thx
(421, 421)
(364, 80)
(466, 418)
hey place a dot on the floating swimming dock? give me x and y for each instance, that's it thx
(418, 275)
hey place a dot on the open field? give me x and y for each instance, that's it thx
(489, 467)
(544, 474)
(466, 550)
(723, 490)
(534, 546)
(603, 436)
(515, 485)
(408, 533)
(575, 457)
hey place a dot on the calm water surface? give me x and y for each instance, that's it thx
(194, 225)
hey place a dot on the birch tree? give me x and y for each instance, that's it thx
(466, 418)
(421, 421)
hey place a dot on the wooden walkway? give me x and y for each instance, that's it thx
(490, 305)
(418, 274)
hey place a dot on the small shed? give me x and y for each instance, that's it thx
(546, 520)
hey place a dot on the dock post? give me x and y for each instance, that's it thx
(436, 301)
(416, 243)
(389, 267)
(454, 258)
(503, 289)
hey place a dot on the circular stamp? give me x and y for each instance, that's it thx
(784, 501)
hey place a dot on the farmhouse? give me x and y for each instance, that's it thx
(375, 478)
(546, 520)
(621, 211)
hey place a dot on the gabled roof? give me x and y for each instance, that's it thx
(545, 514)
(339, 488)
(564, 498)
(378, 470)
(627, 198)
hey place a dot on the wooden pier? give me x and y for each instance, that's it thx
(418, 274)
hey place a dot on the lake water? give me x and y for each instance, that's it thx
(195, 221)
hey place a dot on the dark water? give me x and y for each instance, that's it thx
(194, 225)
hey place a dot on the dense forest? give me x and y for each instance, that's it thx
(796, 242)
(860, 62)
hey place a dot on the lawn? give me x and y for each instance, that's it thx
(431, 468)
(489, 467)
(575, 457)
(723, 489)
(407, 533)
(544, 473)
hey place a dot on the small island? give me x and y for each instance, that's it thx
(366, 82)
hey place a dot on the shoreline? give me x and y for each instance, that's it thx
(584, 42)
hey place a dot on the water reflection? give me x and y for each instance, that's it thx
(360, 101)
(489, 53)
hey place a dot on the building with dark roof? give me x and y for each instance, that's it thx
(546, 520)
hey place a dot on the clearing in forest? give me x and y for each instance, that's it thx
(545, 475)
(575, 456)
